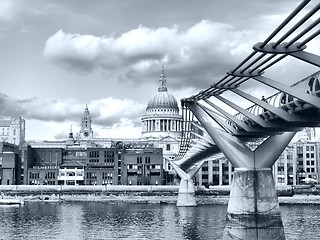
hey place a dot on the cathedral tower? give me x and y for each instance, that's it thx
(86, 132)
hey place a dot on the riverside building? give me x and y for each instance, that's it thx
(12, 130)
(300, 160)
(75, 165)
(10, 164)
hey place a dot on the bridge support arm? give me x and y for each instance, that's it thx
(307, 57)
(235, 150)
(270, 150)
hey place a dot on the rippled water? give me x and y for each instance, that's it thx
(89, 220)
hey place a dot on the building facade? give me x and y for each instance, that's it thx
(77, 165)
(10, 164)
(12, 130)
(143, 167)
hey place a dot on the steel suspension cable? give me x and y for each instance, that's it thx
(285, 22)
(262, 63)
(244, 61)
(297, 25)
(306, 30)
(254, 61)
(312, 36)
(273, 62)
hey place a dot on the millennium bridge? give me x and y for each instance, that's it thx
(270, 123)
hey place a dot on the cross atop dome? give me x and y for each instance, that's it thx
(162, 82)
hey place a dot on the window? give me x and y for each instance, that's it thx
(94, 156)
(168, 147)
(109, 156)
(91, 175)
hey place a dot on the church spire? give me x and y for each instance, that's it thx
(86, 111)
(162, 82)
(71, 133)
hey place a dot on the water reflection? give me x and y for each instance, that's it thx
(301, 221)
(196, 222)
(70, 221)
(137, 221)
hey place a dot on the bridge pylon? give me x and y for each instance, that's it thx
(253, 208)
(186, 194)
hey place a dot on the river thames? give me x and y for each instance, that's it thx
(94, 220)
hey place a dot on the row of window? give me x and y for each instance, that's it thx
(14, 131)
(310, 170)
(309, 155)
(50, 175)
(163, 110)
(106, 175)
(310, 162)
(135, 166)
(309, 148)
(93, 175)
(146, 160)
(94, 154)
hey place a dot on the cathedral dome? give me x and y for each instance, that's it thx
(162, 99)
(162, 117)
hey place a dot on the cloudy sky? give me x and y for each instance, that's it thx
(58, 55)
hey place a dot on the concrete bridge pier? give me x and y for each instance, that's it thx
(186, 196)
(253, 209)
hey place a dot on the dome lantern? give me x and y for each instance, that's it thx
(162, 82)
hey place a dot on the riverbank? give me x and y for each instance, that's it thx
(118, 199)
(145, 194)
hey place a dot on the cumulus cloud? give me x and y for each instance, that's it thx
(104, 112)
(203, 50)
